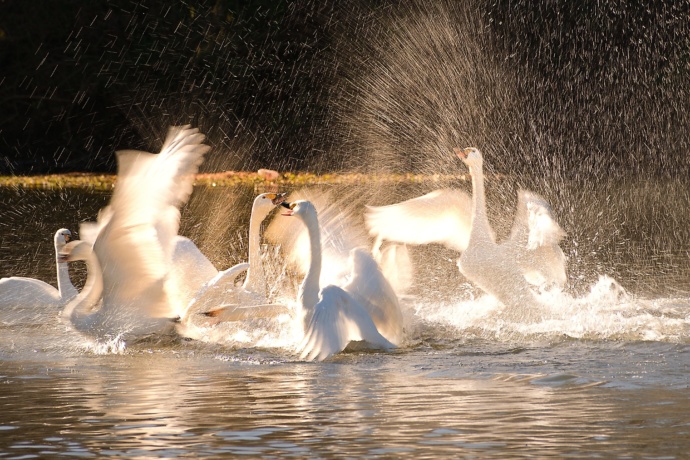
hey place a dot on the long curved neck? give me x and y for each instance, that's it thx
(255, 280)
(309, 291)
(65, 286)
(80, 309)
(480, 222)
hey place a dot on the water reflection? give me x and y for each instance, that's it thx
(168, 403)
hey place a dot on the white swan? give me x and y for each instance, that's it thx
(129, 289)
(333, 316)
(221, 299)
(497, 268)
(26, 293)
(451, 217)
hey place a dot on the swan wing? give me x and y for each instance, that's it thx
(218, 290)
(18, 291)
(88, 231)
(27, 301)
(371, 289)
(338, 320)
(190, 269)
(534, 223)
(396, 266)
(135, 245)
(442, 216)
(228, 277)
(535, 239)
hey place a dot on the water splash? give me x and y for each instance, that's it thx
(607, 312)
(559, 92)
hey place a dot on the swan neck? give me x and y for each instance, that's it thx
(65, 287)
(79, 309)
(255, 274)
(309, 291)
(480, 222)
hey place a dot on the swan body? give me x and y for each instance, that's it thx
(334, 316)
(129, 289)
(452, 217)
(19, 293)
(221, 298)
(498, 269)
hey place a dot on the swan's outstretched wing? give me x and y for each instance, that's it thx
(442, 216)
(190, 269)
(338, 320)
(534, 224)
(535, 239)
(135, 246)
(368, 286)
(88, 231)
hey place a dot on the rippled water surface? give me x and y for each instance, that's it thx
(603, 373)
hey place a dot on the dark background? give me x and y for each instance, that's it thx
(558, 88)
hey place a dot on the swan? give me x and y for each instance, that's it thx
(19, 292)
(497, 268)
(220, 298)
(459, 222)
(129, 289)
(334, 316)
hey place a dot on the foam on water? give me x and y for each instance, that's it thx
(607, 312)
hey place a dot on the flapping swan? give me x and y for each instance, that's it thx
(333, 316)
(28, 293)
(129, 290)
(452, 218)
(499, 269)
(220, 298)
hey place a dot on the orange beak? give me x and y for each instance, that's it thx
(461, 153)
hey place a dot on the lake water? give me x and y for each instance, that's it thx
(603, 372)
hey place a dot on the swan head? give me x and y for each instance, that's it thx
(75, 250)
(470, 156)
(264, 204)
(62, 237)
(298, 208)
